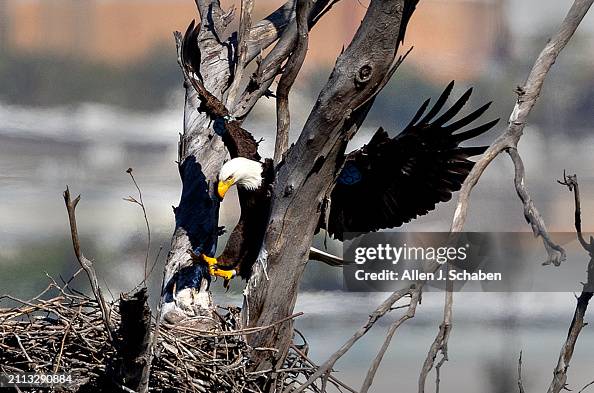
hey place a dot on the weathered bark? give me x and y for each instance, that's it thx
(305, 177)
(310, 165)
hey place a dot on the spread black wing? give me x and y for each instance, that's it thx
(390, 181)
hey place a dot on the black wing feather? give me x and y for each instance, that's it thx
(398, 179)
(190, 54)
(466, 120)
(443, 98)
(453, 111)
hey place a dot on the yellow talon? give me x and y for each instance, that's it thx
(226, 274)
(210, 261)
(216, 272)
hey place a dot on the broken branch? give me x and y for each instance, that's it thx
(86, 264)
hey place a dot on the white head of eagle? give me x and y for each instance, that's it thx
(244, 172)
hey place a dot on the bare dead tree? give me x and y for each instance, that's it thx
(310, 165)
(216, 96)
(508, 141)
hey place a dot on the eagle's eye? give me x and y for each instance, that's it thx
(229, 178)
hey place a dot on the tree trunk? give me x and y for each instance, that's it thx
(305, 178)
(201, 150)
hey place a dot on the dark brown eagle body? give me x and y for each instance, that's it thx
(244, 243)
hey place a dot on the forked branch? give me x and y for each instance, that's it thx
(270, 66)
(440, 343)
(410, 313)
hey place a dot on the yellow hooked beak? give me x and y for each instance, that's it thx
(223, 186)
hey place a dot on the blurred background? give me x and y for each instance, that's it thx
(89, 88)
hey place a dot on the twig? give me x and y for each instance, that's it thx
(332, 378)
(155, 261)
(292, 68)
(22, 348)
(520, 384)
(140, 203)
(572, 183)
(527, 96)
(68, 326)
(86, 264)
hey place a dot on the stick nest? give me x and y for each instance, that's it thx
(61, 331)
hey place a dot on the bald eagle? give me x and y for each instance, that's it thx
(384, 184)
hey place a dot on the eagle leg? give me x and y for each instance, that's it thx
(215, 271)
